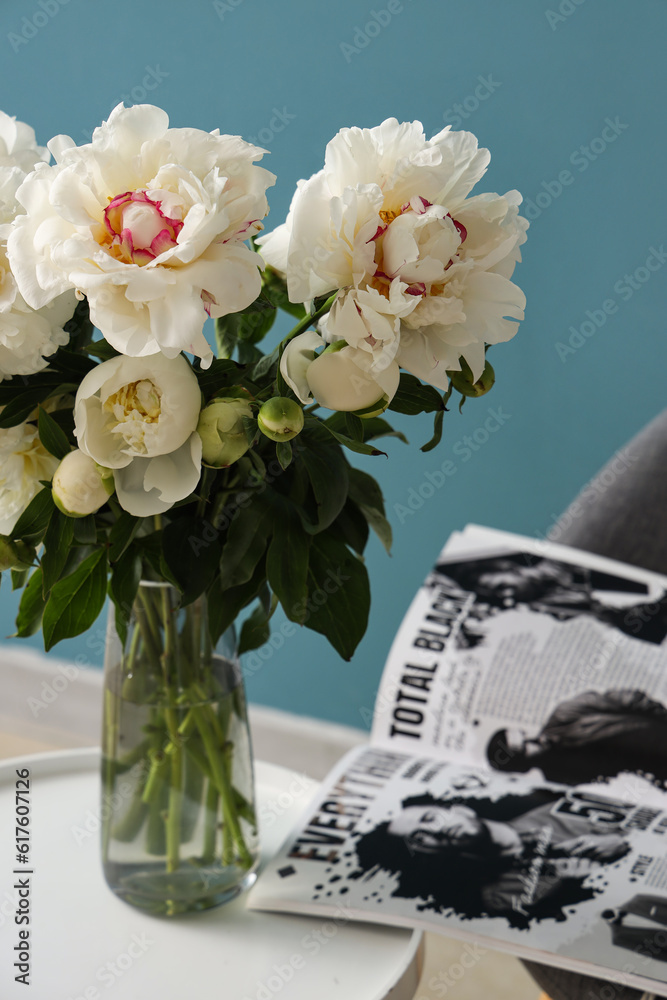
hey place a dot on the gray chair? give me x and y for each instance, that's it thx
(622, 513)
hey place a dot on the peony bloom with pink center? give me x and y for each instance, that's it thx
(421, 266)
(139, 231)
(150, 223)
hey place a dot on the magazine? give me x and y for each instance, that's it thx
(514, 792)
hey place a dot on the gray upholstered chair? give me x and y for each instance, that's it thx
(622, 513)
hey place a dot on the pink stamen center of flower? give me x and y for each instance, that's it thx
(137, 230)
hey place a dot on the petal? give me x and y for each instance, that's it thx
(230, 274)
(462, 165)
(296, 360)
(274, 247)
(416, 356)
(151, 486)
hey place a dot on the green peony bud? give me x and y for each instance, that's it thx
(221, 430)
(280, 418)
(81, 486)
(462, 381)
(15, 555)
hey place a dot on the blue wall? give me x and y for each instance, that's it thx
(555, 73)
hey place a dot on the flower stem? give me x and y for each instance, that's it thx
(210, 823)
(221, 779)
(307, 321)
(175, 797)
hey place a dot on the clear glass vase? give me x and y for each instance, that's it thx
(179, 831)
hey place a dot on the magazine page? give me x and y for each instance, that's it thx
(522, 654)
(563, 875)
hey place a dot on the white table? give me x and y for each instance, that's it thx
(86, 944)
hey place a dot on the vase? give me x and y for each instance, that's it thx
(179, 830)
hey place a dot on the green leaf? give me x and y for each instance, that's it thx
(51, 435)
(34, 520)
(64, 418)
(328, 474)
(265, 364)
(354, 426)
(284, 454)
(248, 353)
(21, 406)
(57, 547)
(249, 326)
(191, 551)
(339, 581)
(224, 606)
(31, 607)
(256, 630)
(414, 397)
(359, 446)
(351, 527)
(79, 327)
(76, 601)
(437, 431)
(71, 363)
(85, 529)
(364, 490)
(375, 427)
(122, 533)
(101, 349)
(287, 562)
(150, 547)
(276, 289)
(19, 577)
(221, 373)
(43, 384)
(123, 587)
(367, 495)
(247, 540)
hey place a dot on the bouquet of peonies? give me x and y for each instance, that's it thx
(131, 451)
(118, 451)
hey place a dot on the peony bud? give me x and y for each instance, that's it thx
(221, 430)
(81, 486)
(338, 383)
(462, 381)
(280, 418)
(15, 554)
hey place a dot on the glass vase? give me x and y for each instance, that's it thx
(179, 830)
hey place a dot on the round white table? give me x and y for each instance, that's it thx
(86, 944)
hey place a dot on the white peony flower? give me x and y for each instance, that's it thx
(340, 377)
(18, 146)
(24, 461)
(19, 153)
(149, 222)
(425, 268)
(138, 416)
(26, 336)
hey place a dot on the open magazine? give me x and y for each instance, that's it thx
(514, 792)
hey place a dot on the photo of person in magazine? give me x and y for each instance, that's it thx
(592, 736)
(561, 590)
(515, 785)
(521, 857)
